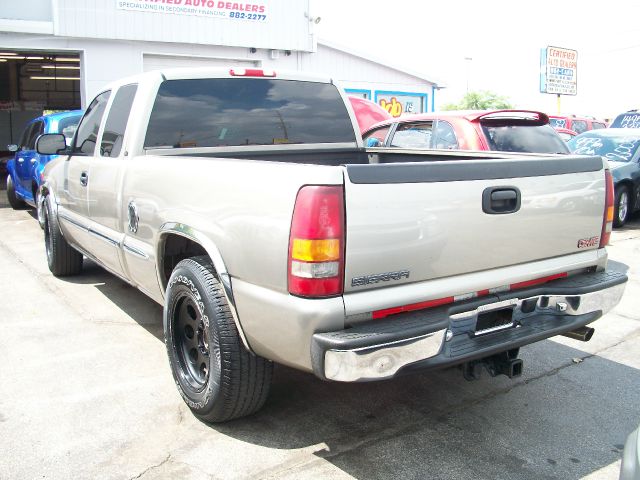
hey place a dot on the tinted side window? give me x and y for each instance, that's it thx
(579, 126)
(217, 112)
(117, 121)
(37, 129)
(413, 135)
(377, 137)
(597, 125)
(87, 133)
(444, 137)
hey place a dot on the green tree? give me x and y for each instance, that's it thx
(481, 100)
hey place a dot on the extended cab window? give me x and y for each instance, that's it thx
(413, 135)
(87, 133)
(218, 112)
(117, 121)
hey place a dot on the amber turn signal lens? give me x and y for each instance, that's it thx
(315, 250)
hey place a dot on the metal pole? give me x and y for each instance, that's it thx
(468, 60)
(558, 103)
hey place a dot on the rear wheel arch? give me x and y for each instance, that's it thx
(178, 242)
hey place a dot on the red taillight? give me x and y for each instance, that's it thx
(251, 72)
(607, 218)
(316, 242)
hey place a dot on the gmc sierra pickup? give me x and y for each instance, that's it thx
(244, 201)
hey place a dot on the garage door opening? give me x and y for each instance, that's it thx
(32, 83)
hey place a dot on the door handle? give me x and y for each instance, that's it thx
(84, 179)
(501, 200)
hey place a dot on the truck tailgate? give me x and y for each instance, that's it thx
(412, 222)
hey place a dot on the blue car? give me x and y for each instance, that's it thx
(25, 169)
(620, 146)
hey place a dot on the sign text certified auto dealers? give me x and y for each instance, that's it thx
(256, 12)
(559, 71)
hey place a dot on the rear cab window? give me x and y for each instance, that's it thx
(221, 112)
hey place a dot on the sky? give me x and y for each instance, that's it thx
(503, 40)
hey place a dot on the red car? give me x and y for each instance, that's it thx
(577, 124)
(367, 112)
(566, 134)
(501, 130)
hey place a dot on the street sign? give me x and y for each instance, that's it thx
(559, 71)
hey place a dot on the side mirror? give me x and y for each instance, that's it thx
(51, 144)
(12, 148)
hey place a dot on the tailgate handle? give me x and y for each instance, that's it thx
(500, 200)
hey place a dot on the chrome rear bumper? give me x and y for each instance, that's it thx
(449, 335)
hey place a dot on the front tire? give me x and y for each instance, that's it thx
(621, 207)
(62, 259)
(216, 375)
(14, 201)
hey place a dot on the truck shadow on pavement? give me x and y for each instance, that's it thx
(561, 420)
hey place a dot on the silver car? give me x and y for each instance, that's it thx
(631, 458)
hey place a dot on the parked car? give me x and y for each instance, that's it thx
(628, 119)
(498, 130)
(367, 112)
(577, 124)
(620, 148)
(24, 170)
(566, 134)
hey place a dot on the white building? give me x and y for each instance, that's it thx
(57, 54)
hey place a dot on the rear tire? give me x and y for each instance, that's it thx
(62, 259)
(218, 378)
(14, 201)
(622, 206)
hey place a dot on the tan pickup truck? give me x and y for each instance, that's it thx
(244, 201)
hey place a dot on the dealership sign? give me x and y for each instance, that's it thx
(254, 12)
(559, 71)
